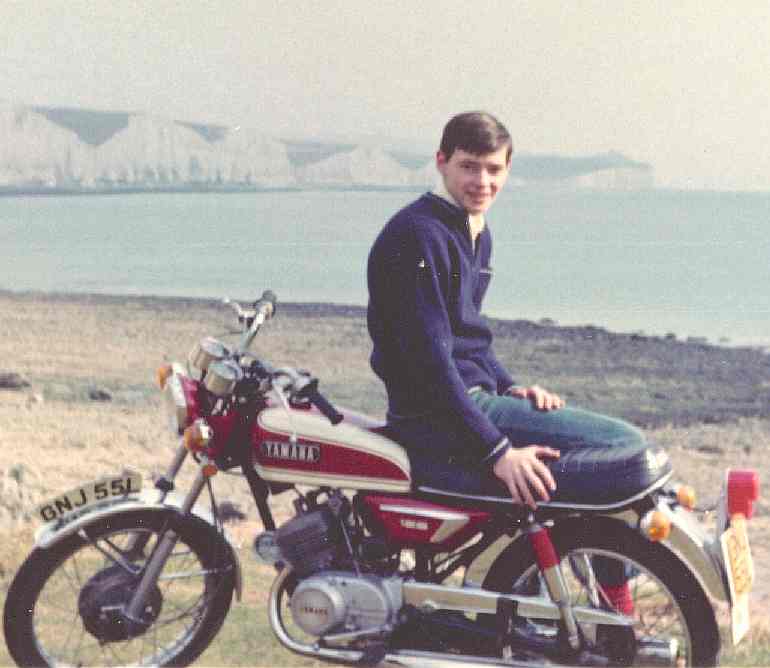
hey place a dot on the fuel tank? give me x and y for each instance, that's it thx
(302, 447)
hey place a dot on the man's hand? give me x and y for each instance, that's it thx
(541, 399)
(522, 471)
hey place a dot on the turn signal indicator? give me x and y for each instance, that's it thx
(685, 495)
(197, 436)
(162, 374)
(656, 526)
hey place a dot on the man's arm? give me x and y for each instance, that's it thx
(502, 377)
(422, 269)
(522, 470)
(541, 399)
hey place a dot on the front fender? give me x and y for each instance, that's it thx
(54, 532)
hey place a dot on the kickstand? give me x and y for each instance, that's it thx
(505, 613)
(373, 655)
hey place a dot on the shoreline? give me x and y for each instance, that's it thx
(336, 309)
(650, 381)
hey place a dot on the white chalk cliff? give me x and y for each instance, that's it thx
(49, 149)
(149, 151)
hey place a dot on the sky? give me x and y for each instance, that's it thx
(680, 85)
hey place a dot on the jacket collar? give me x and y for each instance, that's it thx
(446, 209)
(441, 192)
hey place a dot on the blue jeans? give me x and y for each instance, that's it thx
(565, 428)
(440, 456)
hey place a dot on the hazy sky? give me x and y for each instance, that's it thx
(682, 85)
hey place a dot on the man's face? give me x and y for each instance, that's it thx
(474, 180)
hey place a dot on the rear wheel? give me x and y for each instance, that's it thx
(670, 609)
(65, 604)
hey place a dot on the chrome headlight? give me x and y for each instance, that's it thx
(204, 353)
(175, 400)
(222, 377)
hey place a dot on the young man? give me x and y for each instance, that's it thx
(468, 427)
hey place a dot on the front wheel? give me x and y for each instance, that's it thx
(64, 606)
(669, 607)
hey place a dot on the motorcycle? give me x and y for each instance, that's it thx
(373, 568)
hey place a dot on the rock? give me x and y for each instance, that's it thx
(99, 394)
(20, 491)
(230, 512)
(12, 381)
(709, 449)
(35, 398)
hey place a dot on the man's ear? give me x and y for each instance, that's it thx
(441, 160)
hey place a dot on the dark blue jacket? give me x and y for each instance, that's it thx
(431, 343)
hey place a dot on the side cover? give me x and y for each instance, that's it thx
(412, 522)
(343, 456)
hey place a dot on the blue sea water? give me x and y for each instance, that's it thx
(689, 263)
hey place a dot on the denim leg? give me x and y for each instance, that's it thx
(564, 428)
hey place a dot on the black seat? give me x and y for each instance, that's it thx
(589, 476)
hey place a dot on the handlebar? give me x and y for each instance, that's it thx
(323, 405)
(252, 319)
(303, 385)
(266, 304)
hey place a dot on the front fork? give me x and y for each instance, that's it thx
(550, 567)
(165, 546)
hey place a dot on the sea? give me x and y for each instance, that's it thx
(654, 262)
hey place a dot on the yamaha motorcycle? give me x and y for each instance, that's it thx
(373, 568)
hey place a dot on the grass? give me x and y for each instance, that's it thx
(708, 406)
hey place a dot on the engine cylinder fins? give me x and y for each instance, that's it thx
(310, 542)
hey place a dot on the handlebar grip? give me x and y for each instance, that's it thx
(323, 405)
(267, 303)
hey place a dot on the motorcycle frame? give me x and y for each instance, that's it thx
(688, 540)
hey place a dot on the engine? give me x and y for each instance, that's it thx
(346, 603)
(311, 541)
(332, 594)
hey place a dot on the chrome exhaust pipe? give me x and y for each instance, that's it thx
(405, 658)
(653, 652)
(415, 659)
(650, 652)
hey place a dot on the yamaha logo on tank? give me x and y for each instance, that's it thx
(295, 452)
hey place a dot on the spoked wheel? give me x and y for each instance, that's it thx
(674, 623)
(65, 606)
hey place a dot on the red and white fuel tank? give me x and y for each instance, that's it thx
(347, 455)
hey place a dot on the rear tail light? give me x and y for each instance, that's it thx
(742, 491)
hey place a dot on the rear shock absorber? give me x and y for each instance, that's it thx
(550, 567)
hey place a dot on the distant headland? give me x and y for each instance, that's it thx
(56, 150)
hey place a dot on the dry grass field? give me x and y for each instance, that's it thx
(53, 435)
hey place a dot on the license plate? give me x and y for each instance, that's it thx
(105, 488)
(740, 574)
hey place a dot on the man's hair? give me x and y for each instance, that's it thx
(476, 132)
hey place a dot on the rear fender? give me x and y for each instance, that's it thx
(54, 532)
(694, 545)
(689, 542)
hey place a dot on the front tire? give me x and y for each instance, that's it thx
(668, 600)
(63, 606)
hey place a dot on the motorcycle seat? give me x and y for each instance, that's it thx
(586, 476)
